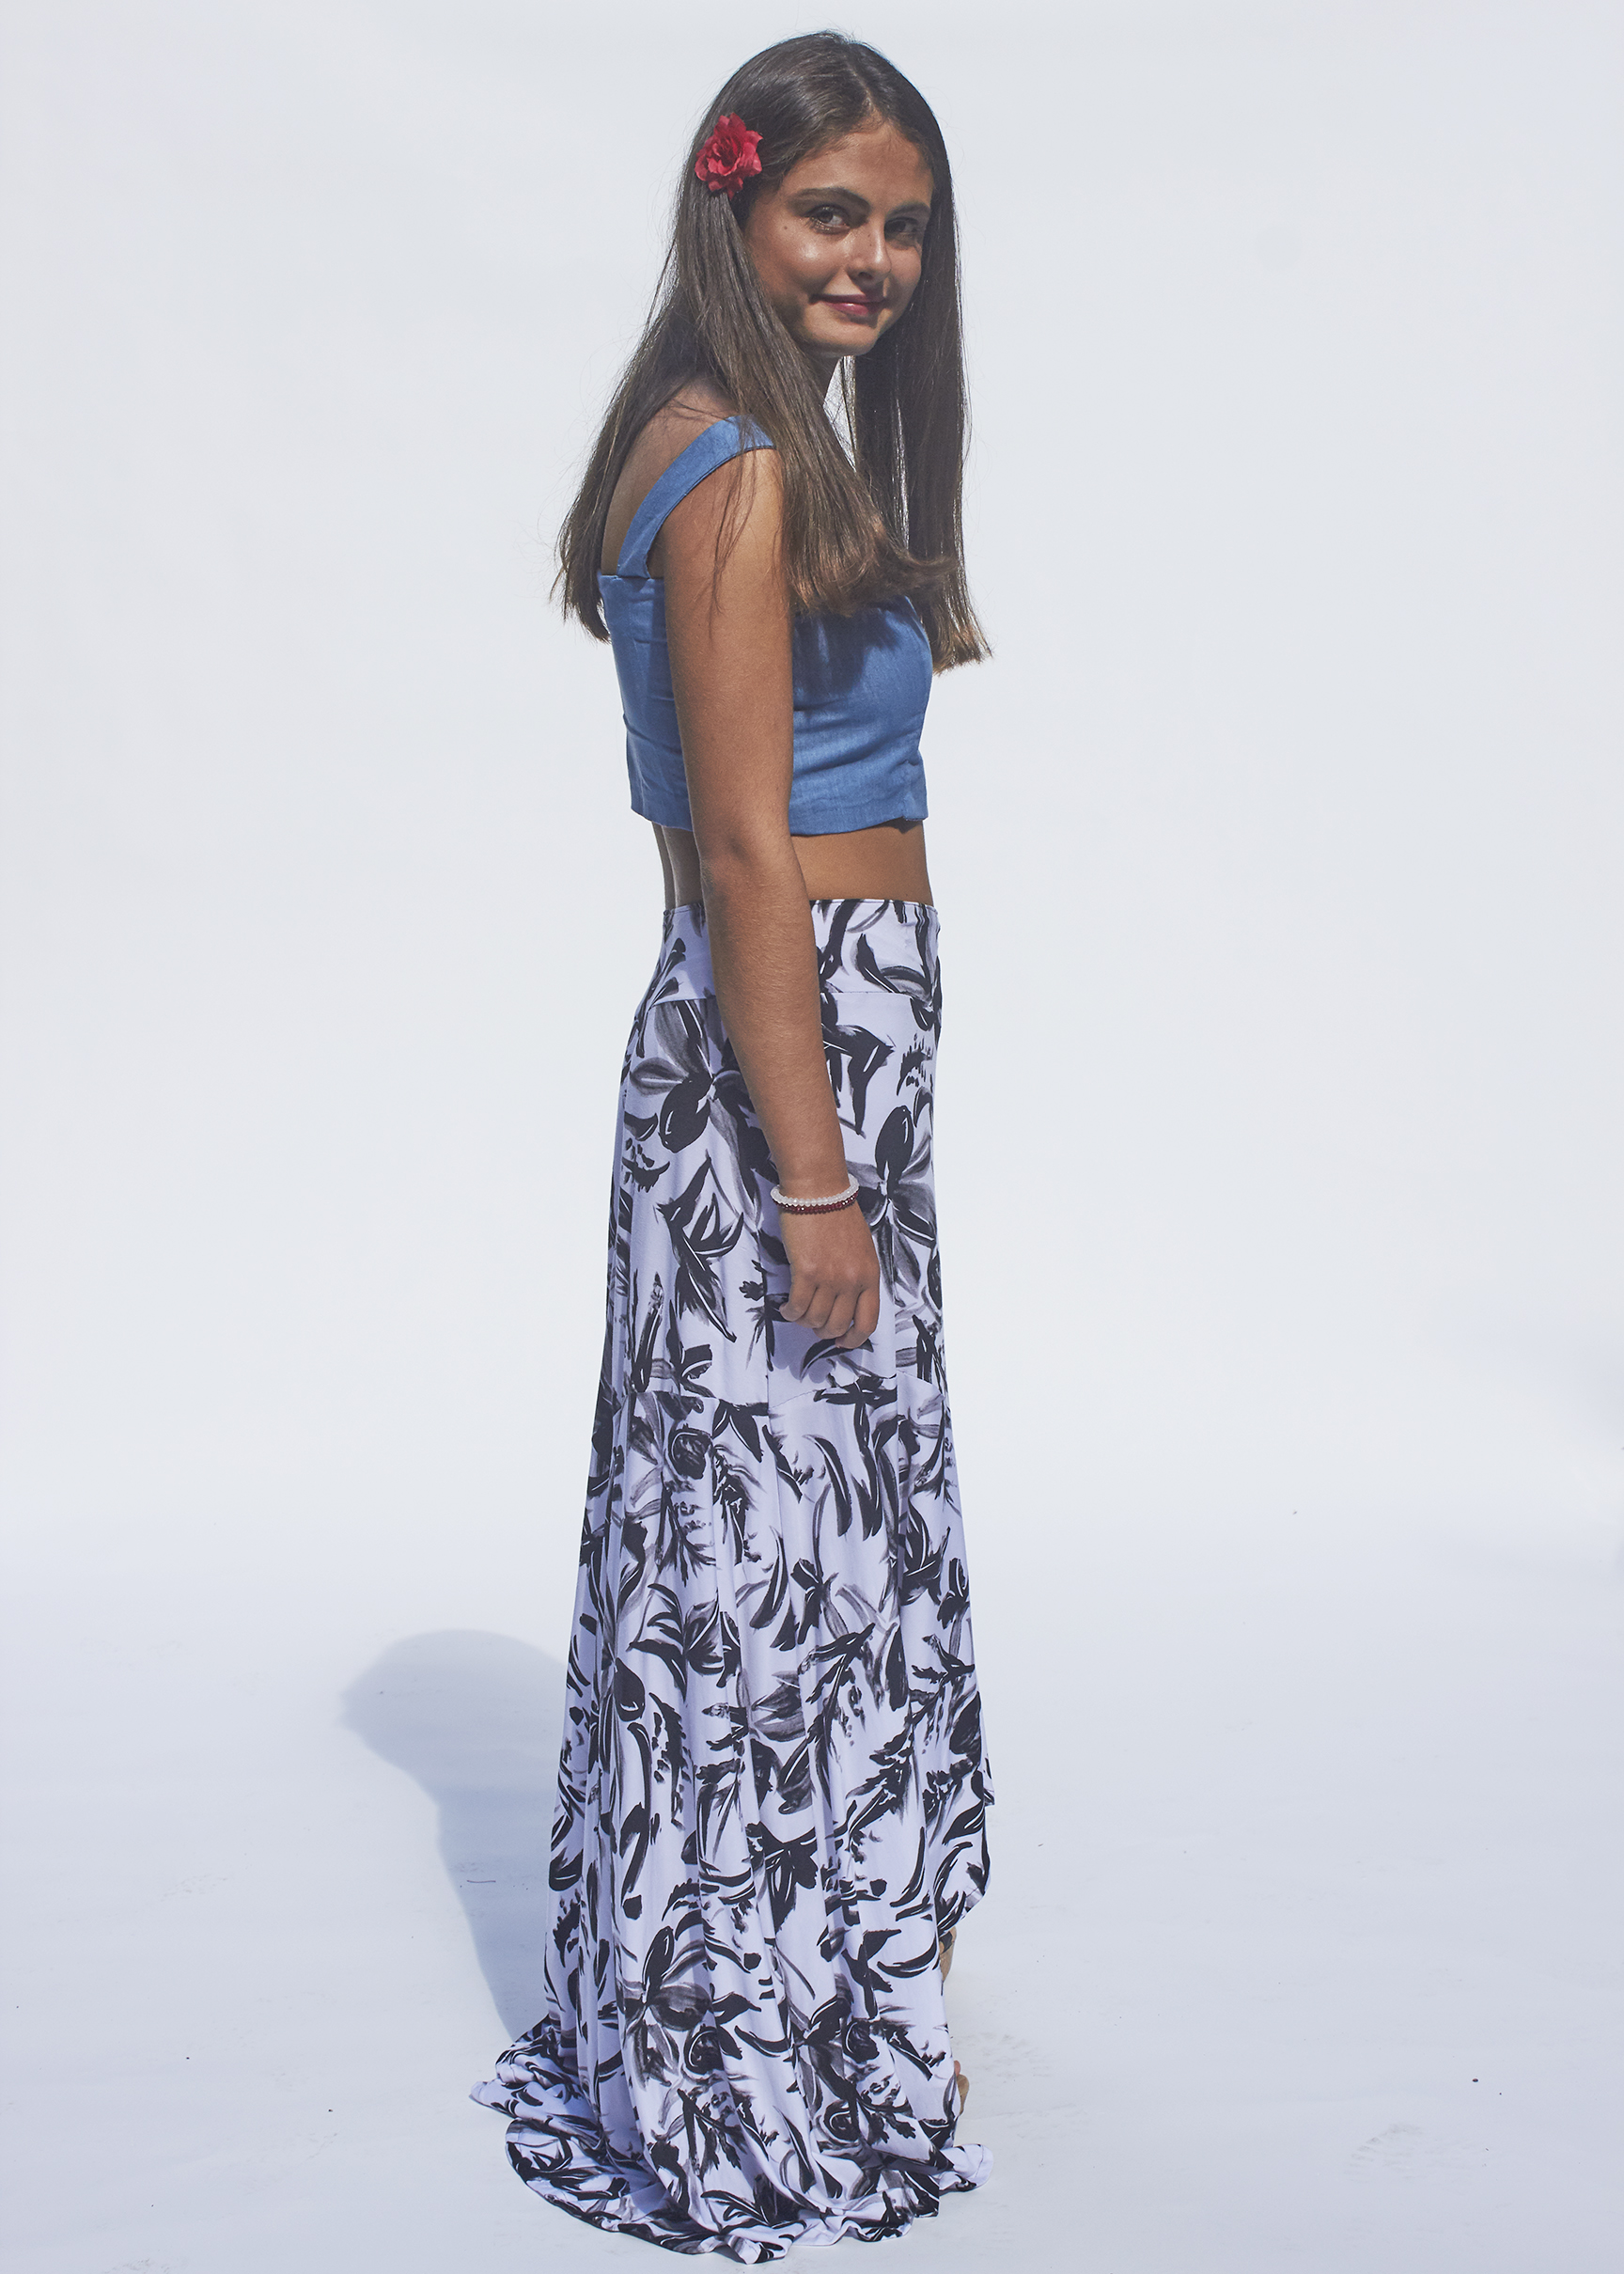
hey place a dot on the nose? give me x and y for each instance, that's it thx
(870, 253)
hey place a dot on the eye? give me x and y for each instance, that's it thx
(830, 217)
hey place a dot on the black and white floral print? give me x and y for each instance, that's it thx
(773, 1791)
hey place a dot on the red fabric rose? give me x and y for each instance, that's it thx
(729, 158)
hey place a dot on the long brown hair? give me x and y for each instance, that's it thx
(887, 520)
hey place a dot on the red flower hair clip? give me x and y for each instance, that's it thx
(728, 157)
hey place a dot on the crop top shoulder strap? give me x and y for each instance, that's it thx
(726, 439)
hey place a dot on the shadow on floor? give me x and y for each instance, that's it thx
(476, 1718)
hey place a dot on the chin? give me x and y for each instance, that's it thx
(838, 339)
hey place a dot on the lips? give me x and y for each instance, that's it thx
(852, 303)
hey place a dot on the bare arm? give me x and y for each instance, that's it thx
(728, 633)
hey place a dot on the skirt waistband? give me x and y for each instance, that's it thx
(882, 947)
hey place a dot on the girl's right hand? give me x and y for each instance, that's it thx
(834, 1276)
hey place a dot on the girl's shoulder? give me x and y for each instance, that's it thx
(694, 408)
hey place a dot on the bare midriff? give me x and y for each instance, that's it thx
(884, 863)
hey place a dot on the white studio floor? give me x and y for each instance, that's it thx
(1281, 1108)
(1310, 1963)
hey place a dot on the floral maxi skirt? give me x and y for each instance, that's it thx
(773, 1789)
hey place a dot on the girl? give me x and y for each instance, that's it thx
(771, 1796)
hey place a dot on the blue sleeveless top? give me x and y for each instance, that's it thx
(861, 682)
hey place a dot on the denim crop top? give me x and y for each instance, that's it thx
(861, 682)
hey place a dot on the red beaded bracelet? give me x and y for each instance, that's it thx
(817, 1207)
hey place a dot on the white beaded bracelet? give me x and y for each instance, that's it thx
(817, 1207)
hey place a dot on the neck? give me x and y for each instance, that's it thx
(822, 366)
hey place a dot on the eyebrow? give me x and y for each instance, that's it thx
(909, 205)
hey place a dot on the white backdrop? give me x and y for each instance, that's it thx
(1279, 851)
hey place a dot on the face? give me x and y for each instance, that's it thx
(837, 243)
